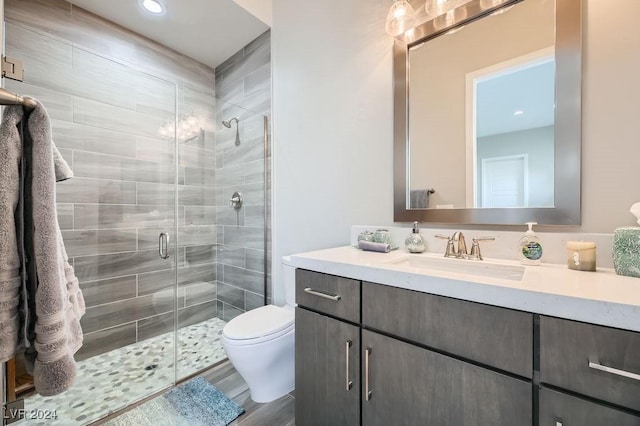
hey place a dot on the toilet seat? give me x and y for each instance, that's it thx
(259, 325)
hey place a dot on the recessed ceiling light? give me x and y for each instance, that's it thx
(518, 112)
(153, 6)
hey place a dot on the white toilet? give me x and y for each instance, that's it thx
(260, 344)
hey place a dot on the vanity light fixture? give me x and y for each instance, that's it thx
(156, 7)
(488, 4)
(436, 7)
(448, 18)
(400, 18)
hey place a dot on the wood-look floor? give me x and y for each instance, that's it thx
(276, 413)
(280, 412)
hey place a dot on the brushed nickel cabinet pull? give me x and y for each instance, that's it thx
(367, 393)
(334, 297)
(615, 371)
(349, 383)
(163, 245)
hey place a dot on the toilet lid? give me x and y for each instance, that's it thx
(259, 322)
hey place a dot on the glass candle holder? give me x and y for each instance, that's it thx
(382, 236)
(365, 236)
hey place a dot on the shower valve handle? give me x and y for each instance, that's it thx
(236, 200)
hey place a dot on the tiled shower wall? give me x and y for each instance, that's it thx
(243, 80)
(108, 91)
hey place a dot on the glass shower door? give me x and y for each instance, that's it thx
(115, 126)
(221, 244)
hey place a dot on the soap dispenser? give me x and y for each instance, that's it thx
(415, 241)
(530, 247)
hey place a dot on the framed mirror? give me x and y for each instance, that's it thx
(487, 115)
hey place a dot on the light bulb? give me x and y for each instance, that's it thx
(449, 18)
(400, 18)
(488, 4)
(436, 7)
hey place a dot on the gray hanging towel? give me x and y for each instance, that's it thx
(50, 303)
(11, 339)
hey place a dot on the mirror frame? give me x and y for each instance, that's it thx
(568, 125)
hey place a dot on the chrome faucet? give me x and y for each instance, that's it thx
(457, 246)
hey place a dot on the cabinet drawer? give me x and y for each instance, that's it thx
(336, 296)
(493, 336)
(560, 409)
(573, 356)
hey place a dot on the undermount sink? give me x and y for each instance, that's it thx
(461, 266)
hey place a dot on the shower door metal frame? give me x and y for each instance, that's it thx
(266, 206)
(3, 375)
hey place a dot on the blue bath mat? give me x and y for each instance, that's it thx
(195, 403)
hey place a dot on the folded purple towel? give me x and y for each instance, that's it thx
(370, 246)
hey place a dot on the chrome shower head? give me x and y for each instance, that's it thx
(227, 123)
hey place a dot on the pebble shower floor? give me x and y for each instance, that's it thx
(113, 380)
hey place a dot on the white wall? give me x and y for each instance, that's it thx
(332, 111)
(332, 123)
(261, 9)
(610, 113)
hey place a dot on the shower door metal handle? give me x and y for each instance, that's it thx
(163, 245)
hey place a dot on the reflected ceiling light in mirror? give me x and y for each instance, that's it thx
(401, 18)
(156, 7)
(188, 126)
(518, 112)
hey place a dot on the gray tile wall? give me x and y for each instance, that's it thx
(108, 91)
(243, 82)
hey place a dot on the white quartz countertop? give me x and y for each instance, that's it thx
(600, 297)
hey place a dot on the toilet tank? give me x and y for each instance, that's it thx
(289, 281)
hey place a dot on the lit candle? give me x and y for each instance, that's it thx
(581, 255)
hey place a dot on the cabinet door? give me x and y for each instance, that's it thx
(558, 409)
(327, 371)
(410, 385)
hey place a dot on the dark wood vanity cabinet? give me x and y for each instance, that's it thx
(371, 354)
(346, 369)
